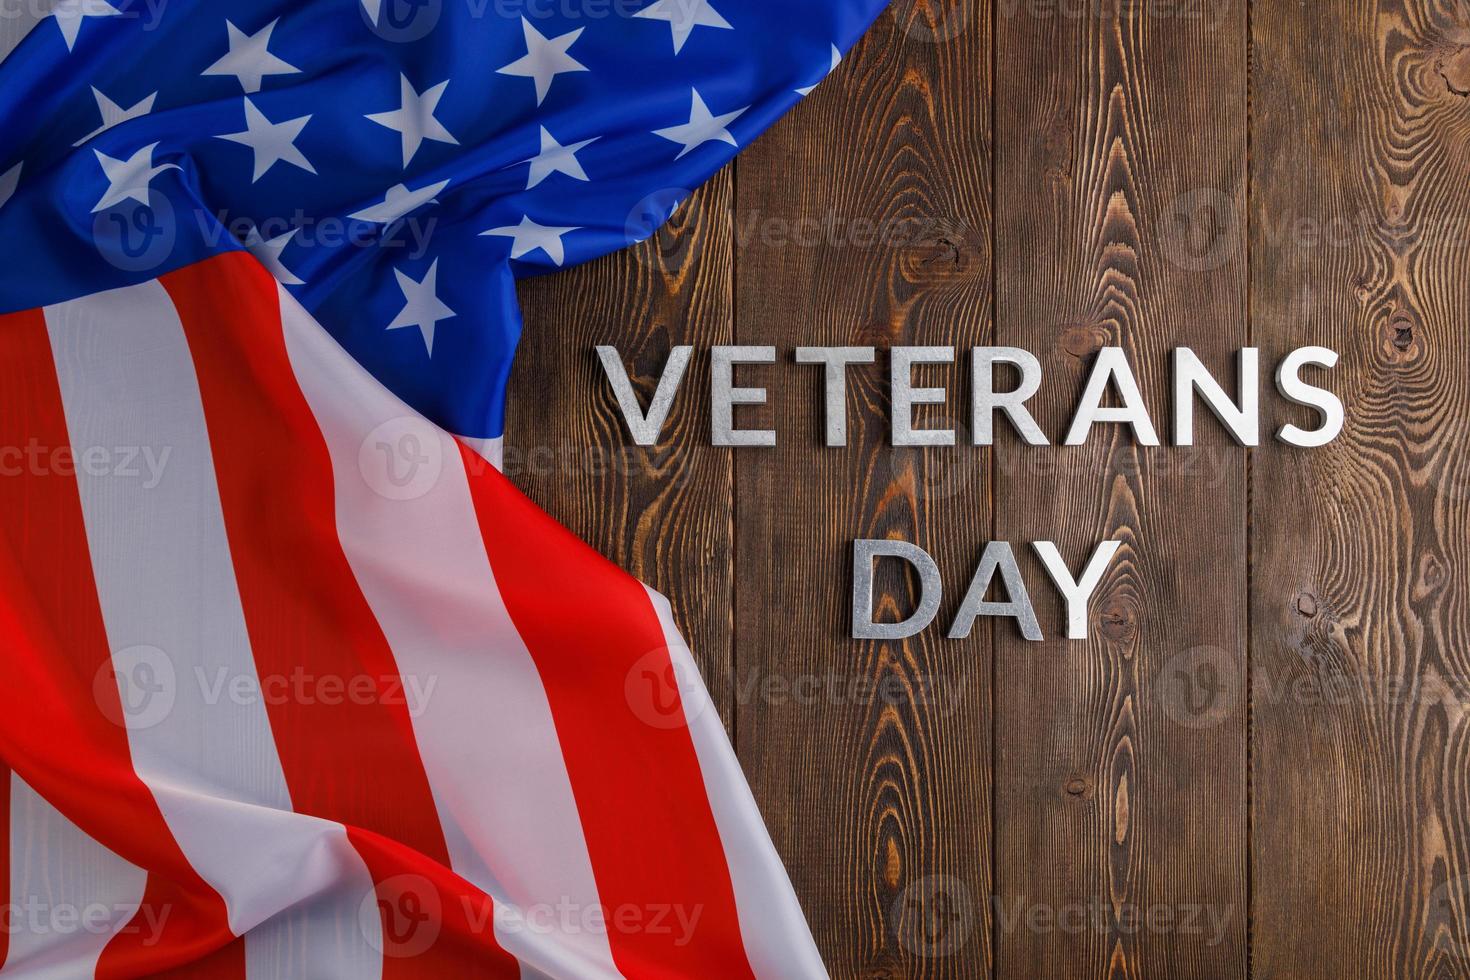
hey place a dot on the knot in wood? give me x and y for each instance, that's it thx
(1083, 339)
(1118, 622)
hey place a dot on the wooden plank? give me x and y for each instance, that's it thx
(871, 761)
(1360, 240)
(661, 513)
(1120, 781)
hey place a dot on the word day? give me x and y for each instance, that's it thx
(997, 562)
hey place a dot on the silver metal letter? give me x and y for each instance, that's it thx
(1013, 403)
(930, 587)
(1298, 392)
(905, 396)
(645, 427)
(724, 396)
(835, 383)
(1076, 594)
(1112, 365)
(997, 556)
(1190, 375)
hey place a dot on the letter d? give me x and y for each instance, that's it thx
(863, 552)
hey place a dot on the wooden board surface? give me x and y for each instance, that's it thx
(1259, 764)
(1361, 550)
(1114, 795)
(884, 772)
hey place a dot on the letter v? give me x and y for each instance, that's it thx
(645, 427)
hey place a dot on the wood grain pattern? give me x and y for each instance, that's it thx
(879, 802)
(1119, 800)
(1361, 550)
(1259, 765)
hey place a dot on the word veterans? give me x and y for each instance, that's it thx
(1110, 372)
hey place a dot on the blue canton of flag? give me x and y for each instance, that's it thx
(395, 164)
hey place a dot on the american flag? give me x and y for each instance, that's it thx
(298, 684)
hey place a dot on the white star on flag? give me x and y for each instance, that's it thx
(683, 17)
(422, 307)
(268, 253)
(544, 58)
(529, 236)
(836, 60)
(414, 119)
(271, 142)
(129, 179)
(112, 113)
(702, 126)
(555, 158)
(9, 180)
(249, 59)
(70, 13)
(397, 202)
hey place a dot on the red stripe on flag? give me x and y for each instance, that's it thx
(655, 848)
(222, 964)
(353, 760)
(63, 723)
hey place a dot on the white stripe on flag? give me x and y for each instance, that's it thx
(777, 941)
(198, 725)
(491, 450)
(16, 21)
(483, 723)
(69, 895)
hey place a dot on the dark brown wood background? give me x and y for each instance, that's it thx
(1259, 763)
